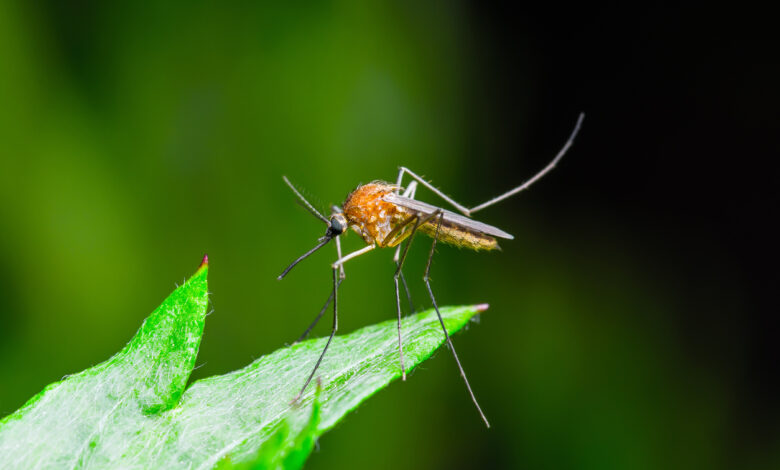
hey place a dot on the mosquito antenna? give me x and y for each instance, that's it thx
(324, 240)
(306, 204)
(536, 177)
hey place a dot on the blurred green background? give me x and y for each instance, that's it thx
(136, 137)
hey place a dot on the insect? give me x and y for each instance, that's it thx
(385, 217)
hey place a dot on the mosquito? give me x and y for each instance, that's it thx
(385, 217)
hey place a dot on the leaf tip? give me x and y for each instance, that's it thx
(481, 307)
(203, 267)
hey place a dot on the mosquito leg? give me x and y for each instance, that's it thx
(339, 262)
(319, 315)
(427, 280)
(436, 191)
(342, 276)
(465, 210)
(396, 257)
(537, 176)
(410, 190)
(400, 341)
(406, 290)
(336, 283)
(399, 266)
(337, 266)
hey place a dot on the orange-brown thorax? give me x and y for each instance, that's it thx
(374, 219)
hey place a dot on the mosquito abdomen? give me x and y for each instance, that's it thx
(457, 236)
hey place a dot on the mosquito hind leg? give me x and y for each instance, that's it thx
(427, 280)
(465, 210)
(537, 176)
(336, 283)
(435, 190)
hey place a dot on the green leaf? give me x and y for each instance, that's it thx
(133, 410)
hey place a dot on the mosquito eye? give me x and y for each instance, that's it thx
(335, 225)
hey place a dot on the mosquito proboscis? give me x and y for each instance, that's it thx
(385, 217)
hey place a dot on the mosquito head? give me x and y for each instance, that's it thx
(336, 225)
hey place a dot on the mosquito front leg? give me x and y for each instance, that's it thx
(319, 316)
(342, 276)
(336, 266)
(427, 280)
(339, 262)
(336, 283)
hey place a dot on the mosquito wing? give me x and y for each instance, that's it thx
(450, 217)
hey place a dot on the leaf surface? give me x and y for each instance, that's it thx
(132, 411)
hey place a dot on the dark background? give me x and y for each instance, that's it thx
(632, 320)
